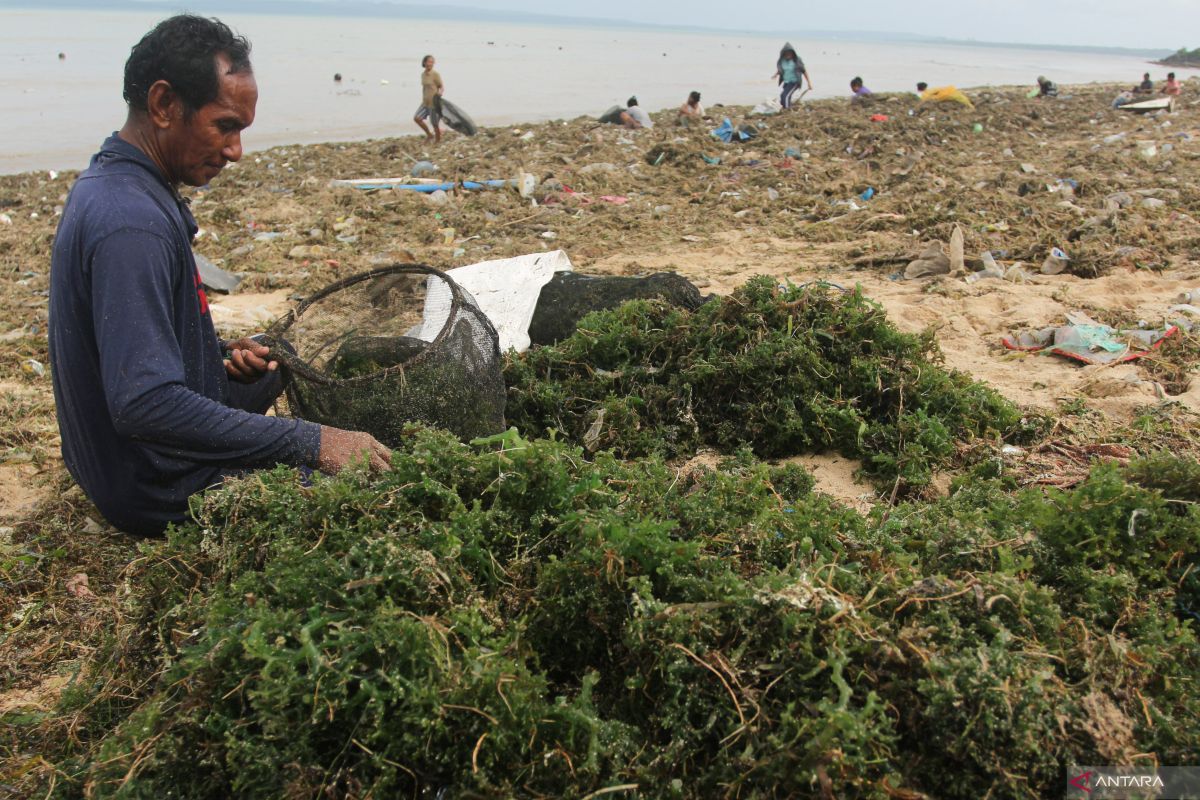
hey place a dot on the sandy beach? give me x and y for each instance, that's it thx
(786, 204)
(1118, 192)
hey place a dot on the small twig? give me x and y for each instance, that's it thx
(624, 787)
(473, 710)
(720, 677)
(475, 753)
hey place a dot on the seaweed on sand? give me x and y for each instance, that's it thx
(510, 619)
(781, 370)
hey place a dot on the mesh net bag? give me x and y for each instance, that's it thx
(397, 344)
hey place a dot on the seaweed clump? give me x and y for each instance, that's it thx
(781, 370)
(510, 619)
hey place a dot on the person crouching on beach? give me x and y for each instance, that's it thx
(634, 116)
(789, 69)
(691, 112)
(432, 89)
(859, 92)
(1172, 88)
(1046, 87)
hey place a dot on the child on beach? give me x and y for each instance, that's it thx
(1172, 88)
(431, 95)
(789, 69)
(859, 91)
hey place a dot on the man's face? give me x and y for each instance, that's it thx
(197, 148)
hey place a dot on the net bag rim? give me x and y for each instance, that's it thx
(460, 300)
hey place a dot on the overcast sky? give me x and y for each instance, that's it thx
(1167, 24)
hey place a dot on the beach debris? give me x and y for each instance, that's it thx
(423, 168)
(767, 107)
(957, 261)
(726, 132)
(302, 251)
(507, 291)
(526, 183)
(1017, 274)
(77, 586)
(213, 277)
(990, 269)
(1166, 104)
(1083, 339)
(31, 366)
(932, 261)
(1055, 262)
(1118, 200)
(1189, 296)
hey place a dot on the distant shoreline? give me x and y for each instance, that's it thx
(464, 13)
(732, 110)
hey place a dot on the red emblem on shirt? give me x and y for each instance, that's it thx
(200, 294)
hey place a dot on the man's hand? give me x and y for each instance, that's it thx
(248, 360)
(340, 448)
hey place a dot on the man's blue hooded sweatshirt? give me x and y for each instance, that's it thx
(145, 409)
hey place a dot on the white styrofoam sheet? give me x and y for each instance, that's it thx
(506, 290)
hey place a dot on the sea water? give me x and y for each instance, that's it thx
(56, 112)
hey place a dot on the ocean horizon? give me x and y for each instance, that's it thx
(502, 73)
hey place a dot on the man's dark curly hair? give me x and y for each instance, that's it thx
(182, 51)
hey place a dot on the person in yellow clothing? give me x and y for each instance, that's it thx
(431, 95)
(943, 94)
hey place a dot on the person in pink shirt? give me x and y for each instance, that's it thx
(1172, 87)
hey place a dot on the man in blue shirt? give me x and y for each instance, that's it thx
(152, 406)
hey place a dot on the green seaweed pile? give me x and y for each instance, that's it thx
(781, 370)
(510, 618)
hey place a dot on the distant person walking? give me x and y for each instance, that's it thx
(789, 69)
(432, 89)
